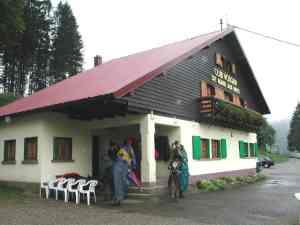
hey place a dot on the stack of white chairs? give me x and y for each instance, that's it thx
(88, 189)
(70, 186)
(63, 187)
(73, 187)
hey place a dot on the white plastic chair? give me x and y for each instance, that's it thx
(44, 186)
(52, 185)
(91, 189)
(75, 190)
(63, 187)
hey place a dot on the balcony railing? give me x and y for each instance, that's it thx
(226, 114)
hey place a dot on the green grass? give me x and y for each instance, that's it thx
(278, 158)
(8, 194)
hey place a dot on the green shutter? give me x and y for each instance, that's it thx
(242, 149)
(196, 147)
(256, 149)
(223, 149)
(208, 148)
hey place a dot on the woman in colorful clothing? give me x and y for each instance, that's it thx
(120, 171)
(181, 155)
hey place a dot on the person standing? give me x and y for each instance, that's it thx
(119, 172)
(181, 155)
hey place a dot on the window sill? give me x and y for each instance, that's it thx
(62, 161)
(12, 162)
(30, 162)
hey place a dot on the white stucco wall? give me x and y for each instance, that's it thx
(199, 167)
(18, 129)
(57, 125)
(46, 126)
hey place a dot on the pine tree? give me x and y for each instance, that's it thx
(294, 132)
(39, 75)
(265, 135)
(28, 57)
(11, 21)
(67, 46)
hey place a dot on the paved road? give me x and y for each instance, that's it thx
(267, 203)
(271, 202)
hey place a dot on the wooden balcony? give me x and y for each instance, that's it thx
(226, 114)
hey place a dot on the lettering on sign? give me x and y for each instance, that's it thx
(225, 80)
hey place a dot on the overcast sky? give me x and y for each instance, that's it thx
(114, 28)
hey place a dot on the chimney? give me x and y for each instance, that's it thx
(97, 60)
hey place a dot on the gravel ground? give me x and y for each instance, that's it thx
(268, 203)
(37, 212)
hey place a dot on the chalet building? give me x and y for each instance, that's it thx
(200, 91)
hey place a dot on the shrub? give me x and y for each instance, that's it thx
(219, 183)
(228, 180)
(245, 118)
(207, 185)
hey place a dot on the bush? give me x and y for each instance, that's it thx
(223, 182)
(207, 185)
(243, 117)
(228, 180)
(219, 183)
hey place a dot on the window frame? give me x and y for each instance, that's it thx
(212, 89)
(217, 151)
(208, 155)
(6, 159)
(252, 152)
(249, 149)
(56, 154)
(29, 160)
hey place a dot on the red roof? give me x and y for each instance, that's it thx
(117, 77)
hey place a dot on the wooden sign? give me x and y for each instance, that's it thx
(225, 79)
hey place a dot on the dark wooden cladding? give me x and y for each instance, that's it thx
(207, 105)
(177, 91)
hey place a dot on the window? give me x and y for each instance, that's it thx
(215, 152)
(248, 149)
(205, 151)
(62, 149)
(31, 149)
(211, 90)
(252, 150)
(9, 150)
(228, 96)
(201, 148)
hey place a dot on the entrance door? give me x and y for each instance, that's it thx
(95, 156)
